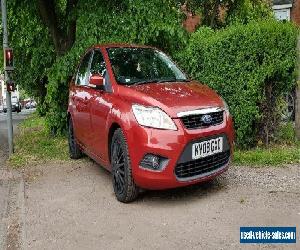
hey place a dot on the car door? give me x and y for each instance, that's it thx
(100, 107)
(81, 100)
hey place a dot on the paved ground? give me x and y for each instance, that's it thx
(11, 185)
(72, 206)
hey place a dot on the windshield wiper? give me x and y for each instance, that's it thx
(143, 82)
(159, 81)
(174, 80)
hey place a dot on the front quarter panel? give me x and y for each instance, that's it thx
(120, 114)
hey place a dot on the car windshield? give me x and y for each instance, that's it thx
(132, 66)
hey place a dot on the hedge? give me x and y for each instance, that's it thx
(251, 66)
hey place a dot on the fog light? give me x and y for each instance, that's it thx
(154, 162)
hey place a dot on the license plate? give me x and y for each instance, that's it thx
(207, 148)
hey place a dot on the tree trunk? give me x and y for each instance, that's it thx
(297, 111)
(63, 39)
(42, 92)
(214, 14)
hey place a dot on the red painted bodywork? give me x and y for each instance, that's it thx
(96, 113)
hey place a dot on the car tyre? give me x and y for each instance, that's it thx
(74, 149)
(124, 187)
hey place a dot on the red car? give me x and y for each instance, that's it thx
(133, 111)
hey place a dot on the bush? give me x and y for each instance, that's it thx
(251, 66)
(286, 133)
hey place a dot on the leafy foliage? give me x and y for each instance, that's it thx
(286, 133)
(250, 66)
(220, 13)
(33, 49)
(210, 11)
(154, 22)
(245, 11)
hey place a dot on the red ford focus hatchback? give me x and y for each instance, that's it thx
(136, 113)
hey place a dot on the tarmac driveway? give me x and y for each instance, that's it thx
(72, 206)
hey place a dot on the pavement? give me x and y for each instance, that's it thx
(11, 188)
(71, 205)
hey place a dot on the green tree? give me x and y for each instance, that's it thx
(60, 18)
(213, 11)
(154, 22)
(50, 35)
(34, 51)
(245, 11)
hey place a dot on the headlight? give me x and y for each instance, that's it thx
(152, 117)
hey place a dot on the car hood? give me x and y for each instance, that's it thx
(175, 97)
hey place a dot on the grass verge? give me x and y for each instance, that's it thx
(276, 155)
(34, 145)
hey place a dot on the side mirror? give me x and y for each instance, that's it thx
(96, 81)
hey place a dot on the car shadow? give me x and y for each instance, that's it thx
(178, 195)
(182, 194)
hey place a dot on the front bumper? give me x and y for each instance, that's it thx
(173, 146)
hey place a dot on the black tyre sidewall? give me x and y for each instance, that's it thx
(74, 149)
(130, 189)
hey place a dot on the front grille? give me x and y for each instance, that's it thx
(202, 166)
(195, 121)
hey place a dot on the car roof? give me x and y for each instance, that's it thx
(120, 45)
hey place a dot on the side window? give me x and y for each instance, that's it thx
(82, 73)
(98, 64)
